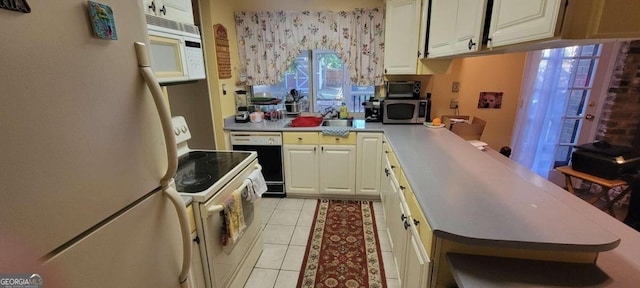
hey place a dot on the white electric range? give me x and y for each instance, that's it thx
(210, 177)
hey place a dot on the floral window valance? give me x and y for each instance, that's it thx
(268, 42)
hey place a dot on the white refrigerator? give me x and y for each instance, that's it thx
(82, 154)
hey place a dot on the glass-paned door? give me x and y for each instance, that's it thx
(555, 98)
(580, 65)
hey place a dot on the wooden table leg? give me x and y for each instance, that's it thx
(611, 202)
(567, 180)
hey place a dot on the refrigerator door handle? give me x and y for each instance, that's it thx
(167, 183)
(178, 203)
(163, 111)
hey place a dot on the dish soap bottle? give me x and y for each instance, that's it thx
(343, 111)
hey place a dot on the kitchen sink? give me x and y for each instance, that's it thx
(338, 122)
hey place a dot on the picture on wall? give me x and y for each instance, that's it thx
(490, 100)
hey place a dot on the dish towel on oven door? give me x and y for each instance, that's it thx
(233, 224)
(256, 186)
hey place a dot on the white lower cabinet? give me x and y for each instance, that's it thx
(316, 164)
(417, 262)
(395, 219)
(368, 163)
(196, 274)
(337, 169)
(301, 168)
(385, 185)
(411, 259)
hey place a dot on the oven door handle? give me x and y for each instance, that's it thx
(213, 209)
(178, 204)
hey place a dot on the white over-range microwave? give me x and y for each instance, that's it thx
(176, 50)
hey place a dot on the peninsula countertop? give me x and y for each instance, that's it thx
(469, 196)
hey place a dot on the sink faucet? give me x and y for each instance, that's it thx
(329, 113)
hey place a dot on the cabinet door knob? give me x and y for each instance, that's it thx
(402, 187)
(337, 139)
(393, 167)
(406, 225)
(299, 138)
(386, 152)
(416, 222)
(402, 217)
(152, 6)
(471, 44)
(163, 10)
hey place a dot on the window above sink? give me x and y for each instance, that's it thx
(323, 79)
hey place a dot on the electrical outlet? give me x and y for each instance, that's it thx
(453, 103)
(455, 86)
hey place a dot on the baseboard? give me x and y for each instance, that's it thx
(334, 196)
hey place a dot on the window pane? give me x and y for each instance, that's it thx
(576, 103)
(360, 94)
(565, 73)
(584, 73)
(563, 154)
(330, 78)
(296, 77)
(328, 85)
(590, 50)
(569, 131)
(332, 84)
(571, 51)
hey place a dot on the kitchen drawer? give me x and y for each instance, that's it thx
(425, 231)
(335, 140)
(302, 138)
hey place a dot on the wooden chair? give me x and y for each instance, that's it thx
(469, 131)
(446, 119)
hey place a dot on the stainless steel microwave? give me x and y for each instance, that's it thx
(405, 111)
(403, 89)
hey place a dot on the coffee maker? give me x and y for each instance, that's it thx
(242, 108)
(373, 110)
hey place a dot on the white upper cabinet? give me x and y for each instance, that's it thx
(518, 21)
(176, 10)
(442, 27)
(455, 27)
(469, 24)
(402, 23)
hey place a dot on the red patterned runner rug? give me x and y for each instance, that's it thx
(343, 249)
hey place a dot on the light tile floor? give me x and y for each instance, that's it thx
(287, 224)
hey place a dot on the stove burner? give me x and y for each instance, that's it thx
(194, 179)
(199, 170)
(197, 155)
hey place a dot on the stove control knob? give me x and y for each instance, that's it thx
(184, 129)
(176, 131)
(271, 141)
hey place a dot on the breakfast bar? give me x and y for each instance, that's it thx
(482, 203)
